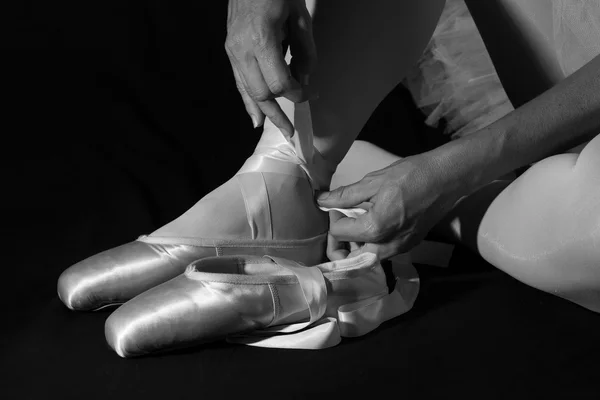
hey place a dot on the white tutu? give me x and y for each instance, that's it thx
(576, 26)
(456, 82)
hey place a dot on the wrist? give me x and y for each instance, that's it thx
(468, 163)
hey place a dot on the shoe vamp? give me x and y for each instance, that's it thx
(183, 312)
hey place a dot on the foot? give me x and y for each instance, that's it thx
(266, 208)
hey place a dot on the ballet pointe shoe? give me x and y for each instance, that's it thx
(267, 208)
(261, 301)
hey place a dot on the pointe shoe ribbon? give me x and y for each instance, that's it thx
(285, 304)
(274, 153)
(353, 212)
(352, 319)
(117, 275)
(426, 252)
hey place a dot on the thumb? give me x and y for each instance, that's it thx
(374, 248)
(347, 196)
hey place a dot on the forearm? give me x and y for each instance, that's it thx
(562, 117)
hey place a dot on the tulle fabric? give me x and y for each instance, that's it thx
(455, 82)
(576, 28)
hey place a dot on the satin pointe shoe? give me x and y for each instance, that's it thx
(262, 301)
(267, 208)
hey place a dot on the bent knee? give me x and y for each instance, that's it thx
(588, 162)
(362, 159)
(544, 229)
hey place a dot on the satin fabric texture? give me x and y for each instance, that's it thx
(262, 301)
(117, 275)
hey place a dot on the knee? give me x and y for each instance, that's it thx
(588, 162)
(544, 229)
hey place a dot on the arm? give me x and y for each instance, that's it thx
(406, 199)
(255, 33)
(560, 118)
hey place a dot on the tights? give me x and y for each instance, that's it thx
(544, 227)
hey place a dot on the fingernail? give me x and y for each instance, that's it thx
(254, 121)
(322, 196)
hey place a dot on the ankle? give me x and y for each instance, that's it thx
(300, 151)
(325, 167)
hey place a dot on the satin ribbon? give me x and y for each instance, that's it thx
(427, 252)
(314, 290)
(299, 151)
(348, 212)
(353, 319)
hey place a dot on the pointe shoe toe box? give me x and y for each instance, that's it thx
(117, 275)
(223, 297)
(186, 311)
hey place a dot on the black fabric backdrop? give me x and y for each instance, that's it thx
(117, 117)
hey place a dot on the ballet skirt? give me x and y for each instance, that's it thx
(152, 283)
(576, 30)
(455, 83)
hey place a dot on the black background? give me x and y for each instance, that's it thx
(119, 115)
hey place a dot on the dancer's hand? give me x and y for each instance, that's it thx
(255, 32)
(403, 202)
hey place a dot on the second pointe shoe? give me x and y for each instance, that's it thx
(267, 208)
(262, 301)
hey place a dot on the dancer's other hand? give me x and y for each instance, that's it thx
(403, 202)
(255, 32)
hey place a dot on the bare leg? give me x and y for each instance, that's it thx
(543, 228)
(535, 44)
(362, 57)
(362, 158)
(519, 37)
(557, 199)
(268, 207)
(364, 50)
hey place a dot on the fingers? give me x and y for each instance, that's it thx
(350, 237)
(379, 250)
(276, 81)
(256, 114)
(382, 251)
(276, 73)
(369, 227)
(348, 196)
(260, 93)
(272, 110)
(336, 250)
(255, 94)
(348, 229)
(254, 46)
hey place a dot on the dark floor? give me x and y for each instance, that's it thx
(110, 130)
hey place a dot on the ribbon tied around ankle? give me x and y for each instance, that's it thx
(274, 153)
